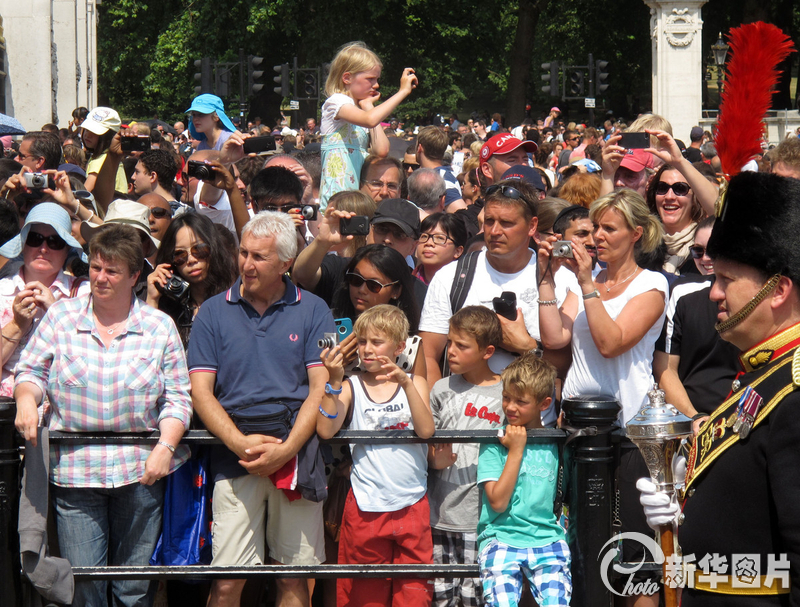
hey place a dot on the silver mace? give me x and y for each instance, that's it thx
(657, 430)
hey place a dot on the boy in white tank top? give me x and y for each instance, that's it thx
(386, 516)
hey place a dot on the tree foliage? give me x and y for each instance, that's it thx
(463, 51)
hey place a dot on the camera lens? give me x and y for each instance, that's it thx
(326, 342)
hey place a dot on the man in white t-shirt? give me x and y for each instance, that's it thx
(506, 264)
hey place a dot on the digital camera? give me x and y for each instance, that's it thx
(176, 288)
(563, 248)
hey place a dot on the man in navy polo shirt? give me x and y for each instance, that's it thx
(253, 354)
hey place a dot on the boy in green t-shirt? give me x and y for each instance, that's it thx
(517, 530)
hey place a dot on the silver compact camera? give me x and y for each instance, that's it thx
(329, 340)
(39, 181)
(563, 248)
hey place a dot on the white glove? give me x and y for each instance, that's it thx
(659, 507)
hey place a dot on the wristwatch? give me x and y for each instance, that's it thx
(330, 389)
(594, 293)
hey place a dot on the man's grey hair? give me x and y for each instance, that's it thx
(709, 150)
(426, 188)
(278, 225)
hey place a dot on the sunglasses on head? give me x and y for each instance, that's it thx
(159, 213)
(697, 251)
(506, 190)
(681, 188)
(200, 251)
(54, 242)
(356, 280)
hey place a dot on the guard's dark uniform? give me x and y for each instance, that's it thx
(743, 495)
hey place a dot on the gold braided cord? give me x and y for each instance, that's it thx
(748, 308)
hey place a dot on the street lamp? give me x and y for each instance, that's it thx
(720, 51)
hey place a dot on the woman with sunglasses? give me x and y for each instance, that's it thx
(376, 275)
(442, 240)
(45, 242)
(192, 252)
(681, 196)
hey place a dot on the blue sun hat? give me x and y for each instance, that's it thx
(50, 214)
(208, 104)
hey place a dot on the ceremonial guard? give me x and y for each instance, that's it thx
(740, 518)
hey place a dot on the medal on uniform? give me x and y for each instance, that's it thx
(747, 409)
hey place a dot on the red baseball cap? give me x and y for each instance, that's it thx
(637, 160)
(503, 144)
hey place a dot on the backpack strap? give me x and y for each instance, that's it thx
(465, 272)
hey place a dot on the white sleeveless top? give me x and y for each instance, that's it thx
(386, 478)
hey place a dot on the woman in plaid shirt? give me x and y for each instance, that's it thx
(108, 363)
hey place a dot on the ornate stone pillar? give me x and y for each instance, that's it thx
(676, 33)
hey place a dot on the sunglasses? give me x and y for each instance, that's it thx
(409, 165)
(681, 188)
(356, 280)
(381, 230)
(506, 190)
(697, 251)
(160, 213)
(54, 242)
(200, 251)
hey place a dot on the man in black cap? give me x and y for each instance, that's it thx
(743, 472)
(395, 224)
(692, 153)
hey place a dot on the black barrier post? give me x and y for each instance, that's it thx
(590, 458)
(9, 505)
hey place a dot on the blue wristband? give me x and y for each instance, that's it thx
(326, 414)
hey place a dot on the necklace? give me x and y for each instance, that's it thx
(620, 282)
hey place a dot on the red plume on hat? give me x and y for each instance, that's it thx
(756, 50)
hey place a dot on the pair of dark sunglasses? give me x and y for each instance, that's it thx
(681, 188)
(697, 251)
(160, 213)
(356, 280)
(200, 251)
(54, 242)
(506, 190)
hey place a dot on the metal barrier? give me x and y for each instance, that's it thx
(10, 442)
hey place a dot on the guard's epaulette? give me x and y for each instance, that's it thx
(796, 369)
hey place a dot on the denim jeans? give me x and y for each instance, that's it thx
(118, 526)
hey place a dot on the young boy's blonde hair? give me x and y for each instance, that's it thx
(383, 318)
(480, 323)
(353, 57)
(531, 376)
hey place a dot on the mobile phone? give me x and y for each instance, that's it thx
(634, 141)
(256, 145)
(506, 305)
(358, 225)
(344, 327)
(138, 143)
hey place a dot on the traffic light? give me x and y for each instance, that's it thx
(282, 79)
(310, 85)
(204, 77)
(601, 75)
(254, 76)
(551, 77)
(576, 83)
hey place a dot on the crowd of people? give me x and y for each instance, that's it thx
(356, 274)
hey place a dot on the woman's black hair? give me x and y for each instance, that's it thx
(222, 271)
(452, 225)
(391, 264)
